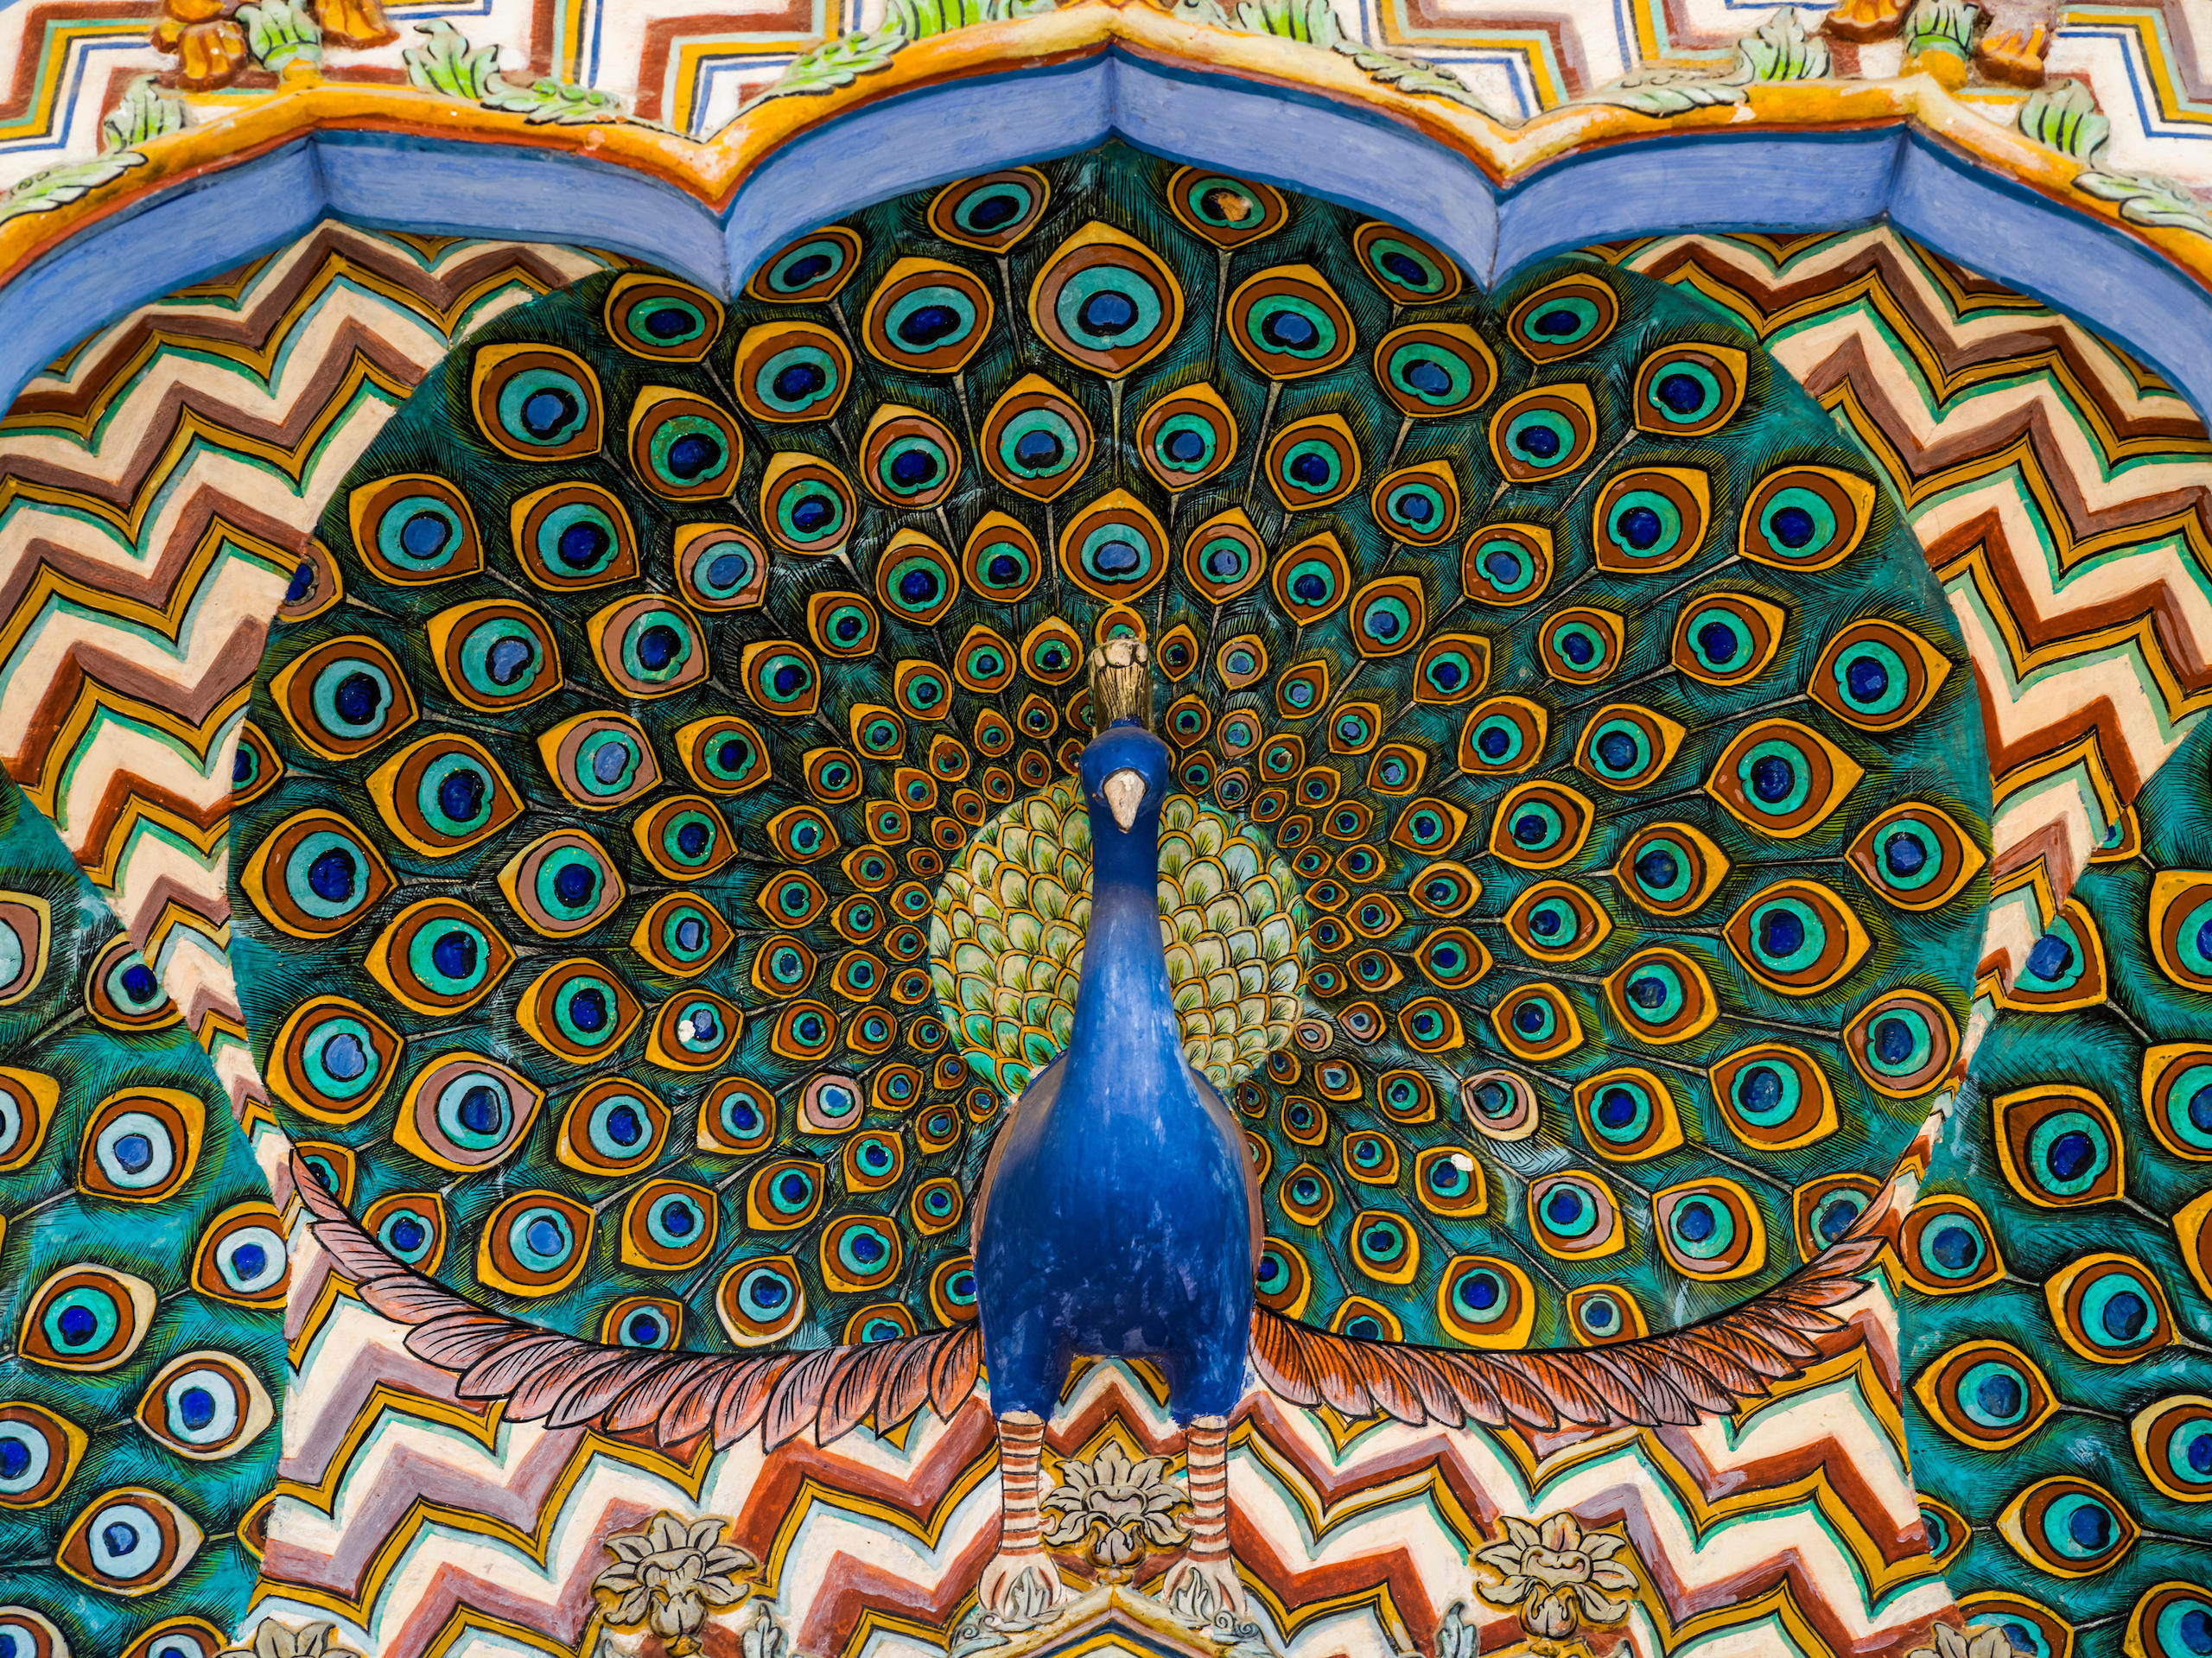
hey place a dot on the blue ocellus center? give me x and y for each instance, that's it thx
(1640, 527)
(1427, 377)
(330, 876)
(546, 411)
(508, 660)
(359, 699)
(482, 1110)
(1772, 779)
(454, 954)
(1793, 526)
(343, 1058)
(582, 545)
(1107, 313)
(423, 535)
(460, 795)
(925, 325)
(1781, 933)
(693, 455)
(796, 382)
(2051, 956)
(195, 1408)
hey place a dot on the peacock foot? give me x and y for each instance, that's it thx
(1020, 1586)
(1200, 1587)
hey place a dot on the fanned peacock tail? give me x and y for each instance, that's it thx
(659, 872)
(2058, 1267)
(145, 1275)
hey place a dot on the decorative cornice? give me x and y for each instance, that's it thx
(225, 135)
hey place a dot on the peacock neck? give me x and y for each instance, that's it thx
(1127, 1043)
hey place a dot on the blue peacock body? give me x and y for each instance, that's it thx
(659, 863)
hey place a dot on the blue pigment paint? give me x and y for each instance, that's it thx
(1118, 1210)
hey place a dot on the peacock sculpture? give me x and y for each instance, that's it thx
(1096, 680)
(2058, 1266)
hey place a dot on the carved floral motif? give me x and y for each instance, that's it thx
(1119, 1508)
(670, 1575)
(1557, 1576)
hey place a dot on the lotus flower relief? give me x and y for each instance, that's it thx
(1557, 1576)
(668, 1575)
(1121, 1507)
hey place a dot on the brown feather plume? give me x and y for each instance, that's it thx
(570, 1383)
(1654, 1381)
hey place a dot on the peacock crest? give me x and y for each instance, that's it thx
(659, 870)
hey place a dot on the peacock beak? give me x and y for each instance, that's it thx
(1124, 793)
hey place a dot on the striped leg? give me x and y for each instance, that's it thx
(1020, 1580)
(1204, 1580)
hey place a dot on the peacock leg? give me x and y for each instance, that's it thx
(1020, 1581)
(1204, 1580)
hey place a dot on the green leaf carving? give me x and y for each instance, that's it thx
(447, 63)
(1413, 75)
(55, 187)
(144, 113)
(845, 60)
(280, 34)
(839, 62)
(1940, 26)
(1780, 49)
(1670, 91)
(2062, 115)
(1313, 22)
(559, 102)
(2147, 199)
(920, 19)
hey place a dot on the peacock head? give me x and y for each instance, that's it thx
(1127, 771)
